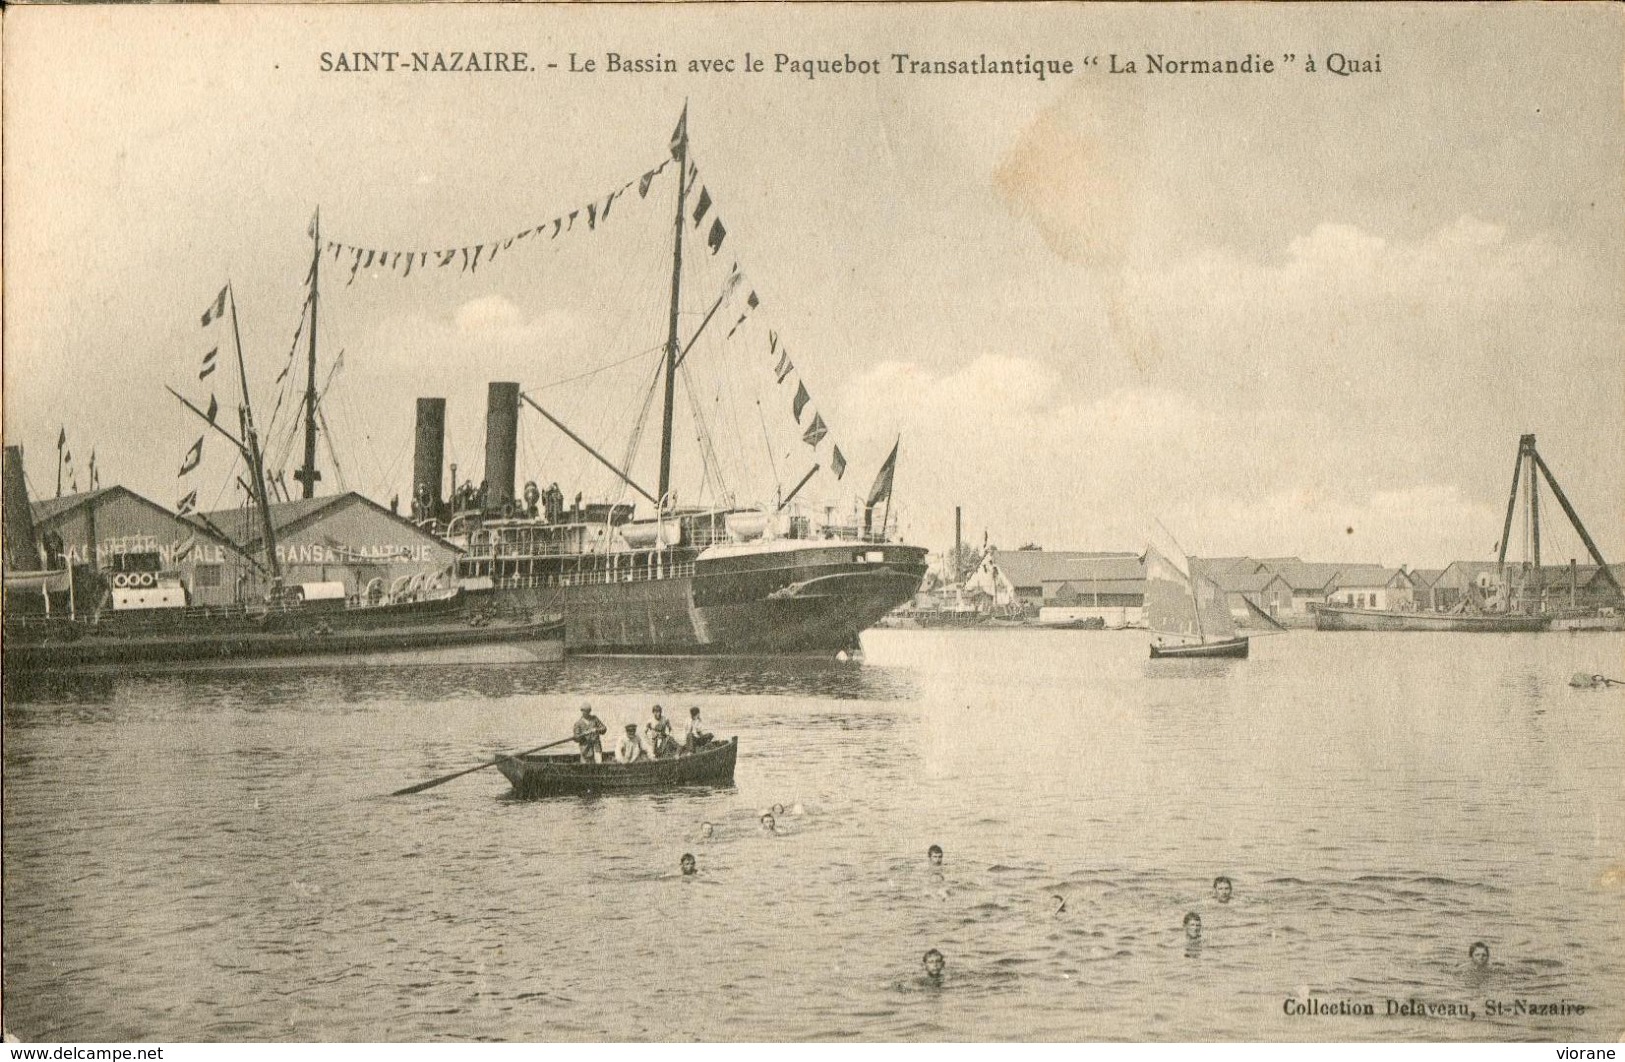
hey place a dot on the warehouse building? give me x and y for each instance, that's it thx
(342, 538)
(99, 526)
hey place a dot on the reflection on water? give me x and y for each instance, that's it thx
(669, 677)
(211, 857)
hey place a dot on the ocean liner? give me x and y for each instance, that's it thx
(659, 577)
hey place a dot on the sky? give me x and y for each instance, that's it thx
(1283, 314)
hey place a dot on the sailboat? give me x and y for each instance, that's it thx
(1187, 611)
(665, 578)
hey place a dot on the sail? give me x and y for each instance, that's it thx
(1181, 600)
(1168, 605)
(1212, 606)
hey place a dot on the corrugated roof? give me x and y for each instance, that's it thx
(1364, 575)
(243, 525)
(51, 508)
(1242, 582)
(1087, 587)
(1035, 567)
(1301, 575)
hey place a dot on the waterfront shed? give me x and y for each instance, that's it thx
(342, 538)
(96, 526)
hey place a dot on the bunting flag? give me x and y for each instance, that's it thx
(714, 241)
(772, 342)
(401, 263)
(188, 500)
(801, 400)
(193, 456)
(838, 464)
(815, 432)
(702, 206)
(208, 364)
(679, 136)
(214, 407)
(750, 303)
(881, 490)
(62, 438)
(218, 309)
(93, 479)
(785, 366)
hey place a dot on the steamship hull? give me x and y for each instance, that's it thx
(422, 633)
(795, 598)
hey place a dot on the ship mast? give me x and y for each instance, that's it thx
(679, 150)
(307, 475)
(256, 459)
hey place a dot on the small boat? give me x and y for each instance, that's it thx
(1186, 611)
(565, 774)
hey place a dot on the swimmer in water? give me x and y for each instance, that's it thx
(686, 864)
(1193, 926)
(706, 830)
(933, 855)
(1479, 954)
(934, 962)
(769, 824)
(1222, 889)
(778, 809)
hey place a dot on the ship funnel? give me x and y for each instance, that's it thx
(22, 549)
(501, 442)
(428, 458)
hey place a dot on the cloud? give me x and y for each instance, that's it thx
(1030, 460)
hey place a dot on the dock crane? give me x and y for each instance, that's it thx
(1530, 457)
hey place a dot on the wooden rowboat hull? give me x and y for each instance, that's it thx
(545, 776)
(1235, 648)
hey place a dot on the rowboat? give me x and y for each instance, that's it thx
(558, 775)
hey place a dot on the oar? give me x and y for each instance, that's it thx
(431, 783)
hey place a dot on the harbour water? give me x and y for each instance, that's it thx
(211, 857)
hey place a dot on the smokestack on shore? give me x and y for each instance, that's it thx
(428, 457)
(957, 572)
(501, 442)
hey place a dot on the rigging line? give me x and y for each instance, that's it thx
(327, 437)
(727, 397)
(778, 484)
(602, 368)
(394, 464)
(638, 426)
(702, 431)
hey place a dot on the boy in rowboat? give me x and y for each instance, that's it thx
(694, 738)
(589, 733)
(631, 748)
(660, 739)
